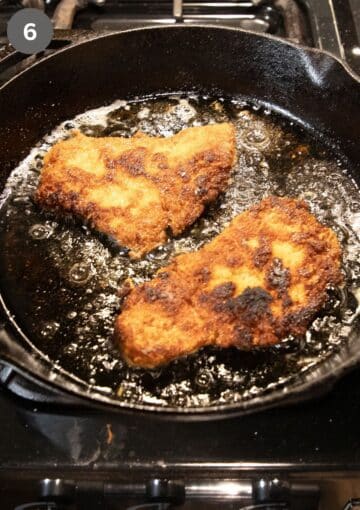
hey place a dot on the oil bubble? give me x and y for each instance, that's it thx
(71, 349)
(256, 136)
(80, 273)
(39, 232)
(49, 329)
(204, 379)
(226, 395)
(127, 391)
(181, 400)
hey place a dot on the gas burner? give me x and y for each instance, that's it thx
(284, 18)
(327, 25)
(330, 26)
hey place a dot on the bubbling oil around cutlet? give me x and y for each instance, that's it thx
(63, 280)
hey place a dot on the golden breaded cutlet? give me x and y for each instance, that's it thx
(135, 189)
(263, 278)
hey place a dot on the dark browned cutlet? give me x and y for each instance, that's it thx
(263, 278)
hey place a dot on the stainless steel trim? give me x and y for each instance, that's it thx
(322, 14)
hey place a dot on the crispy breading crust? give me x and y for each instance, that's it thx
(134, 189)
(260, 280)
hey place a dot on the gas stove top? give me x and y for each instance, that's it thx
(331, 25)
(287, 454)
(64, 456)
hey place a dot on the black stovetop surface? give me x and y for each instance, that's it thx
(319, 435)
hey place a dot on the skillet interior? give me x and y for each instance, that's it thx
(62, 282)
(196, 369)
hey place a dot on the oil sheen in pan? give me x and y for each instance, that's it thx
(62, 281)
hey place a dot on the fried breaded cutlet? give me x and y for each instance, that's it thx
(263, 278)
(135, 189)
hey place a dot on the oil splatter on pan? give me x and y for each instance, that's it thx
(62, 281)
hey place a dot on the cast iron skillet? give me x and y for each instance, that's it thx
(309, 86)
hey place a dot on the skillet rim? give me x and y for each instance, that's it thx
(299, 390)
(103, 35)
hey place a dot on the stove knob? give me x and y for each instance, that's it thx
(57, 489)
(166, 491)
(270, 490)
